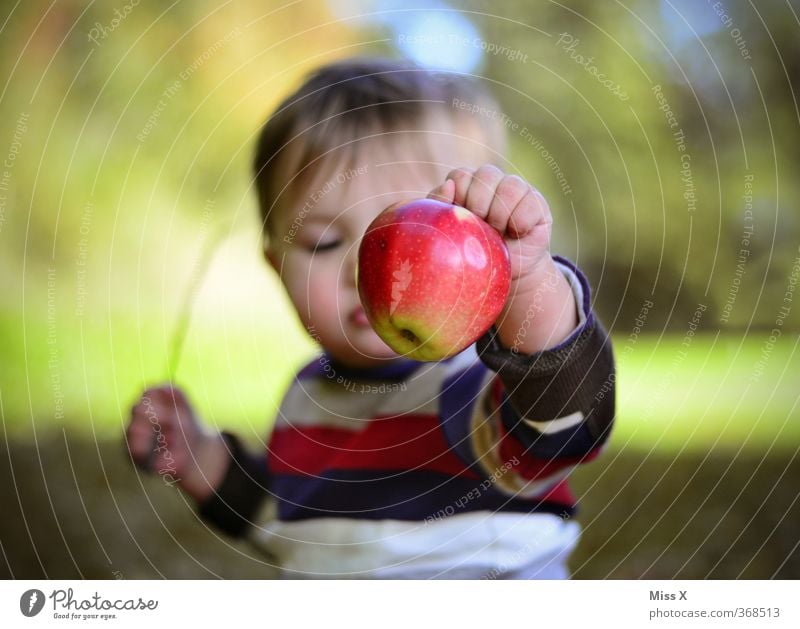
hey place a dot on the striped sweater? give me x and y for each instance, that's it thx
(454, 469)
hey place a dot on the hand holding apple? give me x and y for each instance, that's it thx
(508, 203)
(432, 278)
(541, 302)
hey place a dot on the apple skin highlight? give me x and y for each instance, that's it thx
(432, 278)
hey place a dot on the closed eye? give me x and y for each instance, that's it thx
(322, 247)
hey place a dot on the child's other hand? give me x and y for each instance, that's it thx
(509, 204)
(164, 436)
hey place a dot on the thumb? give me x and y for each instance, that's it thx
(445, 192)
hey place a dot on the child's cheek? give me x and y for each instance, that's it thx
(323, 288)
(300, 281)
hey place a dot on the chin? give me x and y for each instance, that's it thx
(365, 352)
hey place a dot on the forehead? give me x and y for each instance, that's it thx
(380, 168)
(371, 173)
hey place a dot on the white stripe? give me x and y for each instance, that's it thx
(486, 448)
(320, 402)
(350, 404)
(469, 545)
(556, 425)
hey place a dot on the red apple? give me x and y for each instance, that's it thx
(432, 278)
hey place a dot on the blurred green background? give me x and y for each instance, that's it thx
(664, 135)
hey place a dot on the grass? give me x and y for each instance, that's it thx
(670, 397)
(699, 480)
(719, 391)
(77, 508)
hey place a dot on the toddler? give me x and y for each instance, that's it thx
(379, 466)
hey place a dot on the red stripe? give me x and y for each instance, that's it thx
(497, 391)
(530, 467)
(409, 442)
(559, 493)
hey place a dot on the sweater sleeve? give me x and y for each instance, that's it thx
(233, 506)
(558, 402)
(532, 418)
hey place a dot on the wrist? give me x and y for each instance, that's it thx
(541, 276)
(540, 312)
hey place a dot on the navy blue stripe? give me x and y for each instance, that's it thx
(460, 392)
(393, 371)
(413, 496)
(575, 441)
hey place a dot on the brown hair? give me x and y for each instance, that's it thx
(345, 101)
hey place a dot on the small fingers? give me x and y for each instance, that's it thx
(509, 192)
(481, 190)
(462, 178)
(167, 403)
(530, 213)
(445, 192)
(140, 440)
(153, 419)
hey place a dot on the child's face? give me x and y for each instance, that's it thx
(314, 245)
